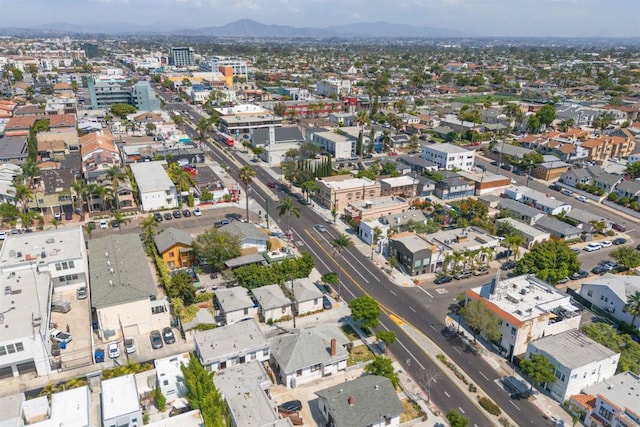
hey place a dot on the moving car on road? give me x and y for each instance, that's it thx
(321, 228)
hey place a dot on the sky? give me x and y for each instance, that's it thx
(560, 18)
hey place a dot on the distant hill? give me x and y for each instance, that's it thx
(246, 28)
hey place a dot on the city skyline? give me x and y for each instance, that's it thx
(501, 18)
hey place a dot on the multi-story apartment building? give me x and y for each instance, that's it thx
(238, 65)
(337, 191)
(182, 57)
(449, 156)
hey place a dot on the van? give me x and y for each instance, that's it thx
(61, 306)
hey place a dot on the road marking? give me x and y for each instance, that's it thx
(433, 327)
(394, 294)
(441, 291)
(332, 257)
(457, 351)
(461, 410)
(411, 308)
(484, 376)
(395, 319)
(447, 394)
(425, 291)
(411, 354)
(511, 401)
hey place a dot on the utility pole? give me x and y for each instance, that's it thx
(293, 297)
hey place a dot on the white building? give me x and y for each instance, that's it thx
(239, 65)
(231, 345)
(528, 308)
(340, 146)
(120, 402)
(68, 408)
(578, 360)
(273, 304)
(156, 190)
(547, 204)
(333, 87)
(307, 298)
(611, 293)
(187, 419)
(35, 269)
(169, 376)
(235, 305)
(449, 156)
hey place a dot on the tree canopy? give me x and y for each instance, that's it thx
(624, 344)
(216, 247)
(366, 310)
(551, 261)
(382, 366)
(122, 110)
(254, 276)
(456, 419)
(626, 256)
(481, 320)
(182, 287)
(538, 368)
(202, 393)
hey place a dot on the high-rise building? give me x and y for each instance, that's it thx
(182, 57)
(239, 65)
(104, 92)
(91, 50)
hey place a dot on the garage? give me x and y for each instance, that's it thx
(26, 367)
(6, 372)
(131, 331)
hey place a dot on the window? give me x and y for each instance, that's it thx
(315, 368)
(246, 311)
(11, 348)
(19, 346)
(590, 293)
(513, 331)
(299, 373)
(3, 350)
(605, 413)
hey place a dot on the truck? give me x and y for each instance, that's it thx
(59, 336)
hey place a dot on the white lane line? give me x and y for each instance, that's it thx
(461, 410)
(394, 294)
(411, 354)
(433, 327)
(425, 291)
(511, 401)
(457, 351)
(363, 266)
(484, 376)
(411, 308)
(447, 394)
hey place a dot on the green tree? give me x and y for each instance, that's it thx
(456, 419)
(387, 337)
(246, 175)
(149, 228)
(514, 242)
(383, 367)
(8, 212)
(116, 176)
(122, 110)
(289, 209)
(633, 169)
(624, 344)
(365, 310)
(546, 115)
(216, 247)
(539, 369)
(626, 256)
(161, 400)
(481, 320)
(182, 287)
(632, 306)
(203, 395)
(533, 124)
(602, 120)
(331, 278)
(551, 261)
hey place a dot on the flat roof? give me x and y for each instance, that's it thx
(622, 389)
(251, 409)
(151, 176)
(347, 183)
(446, 148)
(470, 238)
(400, 180)
(169, 375)
(413, 242)
(188, 419)
(379, 202)
(219, 343)
(11, 408)
(71, 407)
(242, 378)
(573, 349)
(119, 396)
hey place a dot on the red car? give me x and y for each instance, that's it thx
(618, 227)
(271, 184)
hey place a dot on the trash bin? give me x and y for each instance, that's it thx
(63, 345)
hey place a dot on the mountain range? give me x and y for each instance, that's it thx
(245, 28)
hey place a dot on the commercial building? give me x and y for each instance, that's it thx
(415, 254)
(336, 192)
(155, 188)
(340, 146)
(578, 361)
(528, 309)
(376, 207)
(238, 65)
(448, 156)
(182, 57)
(105, 91)
(144, 98)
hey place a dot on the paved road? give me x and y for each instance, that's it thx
(360, 275)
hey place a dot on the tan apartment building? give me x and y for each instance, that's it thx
(404, 186)
(337, 191)
(607, 147)
(375, 208)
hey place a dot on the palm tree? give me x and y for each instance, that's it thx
(120, 218)
(288, 208)
(377, 232)
(457, 258)
(149, 227)
(55, 222)
(22, 194)
(80, 190)
(488, 254)
(116, 176)
(513, 242)
(29, 172)
(633, 306)
(246, 175)
(448, 258)
(202, 127)
(339, 243)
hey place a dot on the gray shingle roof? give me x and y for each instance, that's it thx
(305, 290)
(270, 297)
(233, 299)
(170, 237)
(556, 226)
(372, 398)
(119, 271)
(244, 230)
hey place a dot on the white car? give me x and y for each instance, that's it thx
(197, 212)
(104, 224)
(582, 199)
(605, 243)
(3, 235)
(129, 345)
(592, 247)
(113, 350)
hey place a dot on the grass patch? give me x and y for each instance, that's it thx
(349, 332)
(474, 99)
(410, 411)
(359, 354)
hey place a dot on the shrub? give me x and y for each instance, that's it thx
(489, 406)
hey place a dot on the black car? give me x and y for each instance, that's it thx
(442, 279)
(506, 167)
(494, 163)
(599, 270)
(158, 217)
(326, 303)
(580, 275)
(168, 336)
(167, 216)
(619, 241)
(177, 214)
(186, 213)
(291, 406)
(156, 340)
(222, 223)
(509, 265)
(555, 187)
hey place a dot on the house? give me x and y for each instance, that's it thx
(99, 153)
(53, 192)
(611, 293)
(275, 135)
(174, 247)
(578, 361)
(169, 376)
(531, 234)
(53, 149)
(628, 189)
(558, 229)
(538, 200)
(308, 354)
(184, 419)
(11, 413)
(511, 151)
(120, 402)
(61, 259)
(71, 407)
(273, 304)
(234, 305)
(19, 125)
(414, 253)
(368, 401)
(613, 402)
(485, 181)
(340, 146)
(155, 188)
(403, 186)
(587, 221)
(376, 207)
(453, 186)
(69, 138)
(528, 309)
(425, 187)
(13, 149)
(448, 156)
(251, 239)
(307, 298)
(418, 164)
(123, 291)
(576, 176)
(367, 232)
(518, 210)
(607, 181)
(62, 123)
(336, 192)
(399, 222)
(550, 171)
(231, 345)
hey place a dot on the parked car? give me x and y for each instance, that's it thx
(103, 224)
(113, 351)
(68, 216)
(619, 241)
(177, 214)
(599, 270)
(563, 281)
(197, 212)
(167, 216)
(158, 217)
(442, 279)
(130, 345)
(619, 227)
(320, 227)
(575, 250)
(566, 192)
(481, 271)
(222, 222)
(555, 187)
(462, 275)
(506, 167)
(592, 247)
(509, 265)
(81, 292)
(168, 336)
(582, 274)
(291, 406)
(3, 235)
(156, 339)
(326, 303)
(186, 213)
(61, 306)
(59, 336)
(606, 243)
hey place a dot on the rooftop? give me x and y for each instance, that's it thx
(459, 239)
(398, 181)
(414, 242)
(187, 419)
(378, 202)
(71, 408)
(446, 148)
(219, 343)
(11, 408)
(171, 236)
(151, 177)
(573, 349)
(119, 397)
(233, 299)
(245, 377)
(270, 297)
(622, 389)
(345, 182)
(169, 374)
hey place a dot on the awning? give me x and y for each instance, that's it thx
(245, 260)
